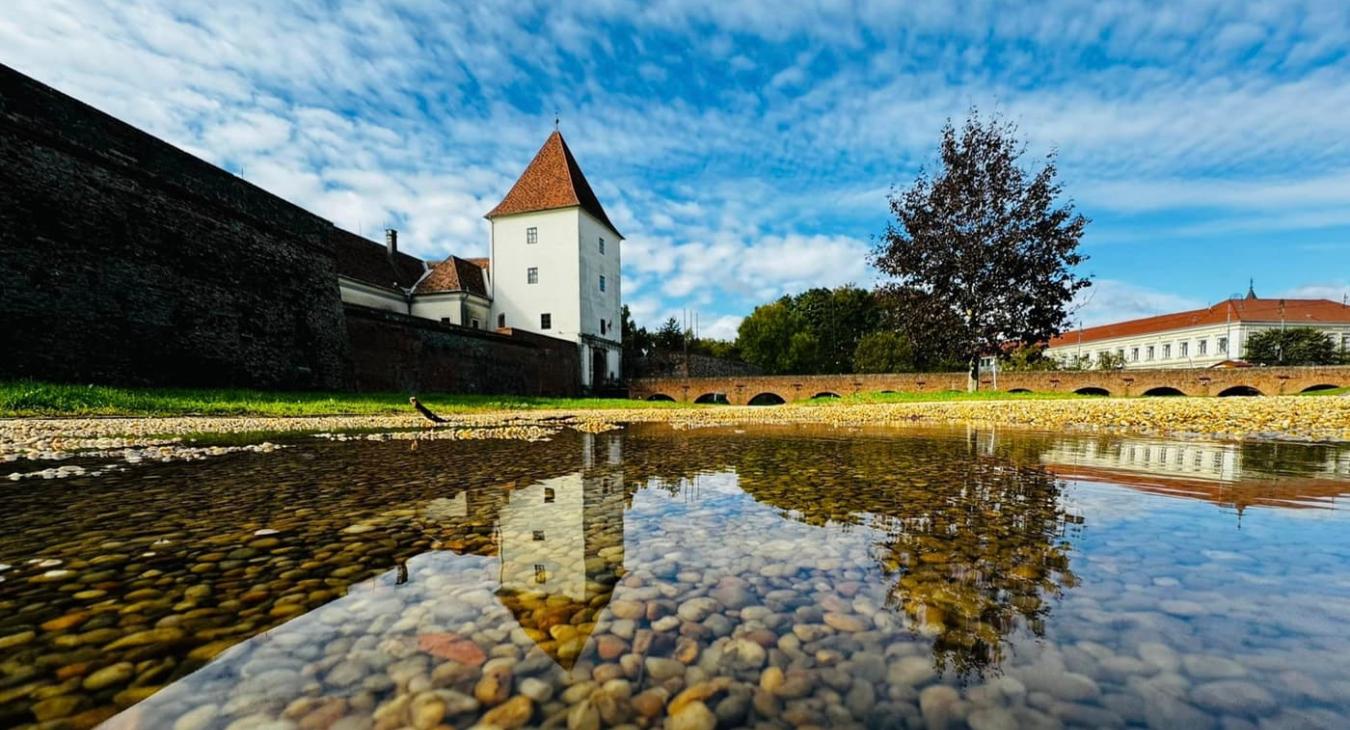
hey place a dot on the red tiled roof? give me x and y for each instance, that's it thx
(369, 262)
(1295, 312)
(552, 180)
(454, 274)
(484, 264)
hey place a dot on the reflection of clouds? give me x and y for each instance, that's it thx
(1100, 504)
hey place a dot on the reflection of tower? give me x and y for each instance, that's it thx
(561, 548)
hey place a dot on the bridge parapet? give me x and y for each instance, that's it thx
(742, 390)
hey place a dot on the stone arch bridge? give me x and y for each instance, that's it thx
(770, 389)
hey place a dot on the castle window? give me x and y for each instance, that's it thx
(532, 275)
(501, 321)
(531, 235)
(545, 321)
(602, 326)
(473, 323)
(602, 282)
(445, 320)
(538, 535)
(540, 575)
(548, 495)
(602, 247)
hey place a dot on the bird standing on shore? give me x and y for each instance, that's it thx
(425, 411)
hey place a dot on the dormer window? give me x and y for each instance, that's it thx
(531, 235)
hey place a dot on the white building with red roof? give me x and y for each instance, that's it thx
(1200, 337)
(554, 268)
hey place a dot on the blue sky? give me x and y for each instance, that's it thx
(746, 149)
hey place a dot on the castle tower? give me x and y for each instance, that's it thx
(555, 261)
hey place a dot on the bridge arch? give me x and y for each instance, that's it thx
(720, 398)
(1092, 390)
(659, 397)
(1319, 386)
(825, 394)
(1239, 390)
(1020, 390)
(1163, 390)
(767, 398)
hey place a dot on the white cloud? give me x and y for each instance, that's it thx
(723, 328)
(1109, 300)
(1336, 291)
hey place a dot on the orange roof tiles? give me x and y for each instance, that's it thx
(1291, 311)
(552, 180)
(454, 274)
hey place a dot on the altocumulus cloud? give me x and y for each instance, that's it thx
(746, 148)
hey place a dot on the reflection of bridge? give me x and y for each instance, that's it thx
(768, 389)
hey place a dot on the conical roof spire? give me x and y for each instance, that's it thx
(552, 180)
(1251, 289)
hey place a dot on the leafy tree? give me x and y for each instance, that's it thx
(1291, 346)
(1029, 357)
(765, 336)
(637, 341)
(986, 240)
(838, 319)
(670, 338)
(883, 351)
(1111, 361)
(929, 327)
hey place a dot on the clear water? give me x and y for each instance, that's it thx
(768, 576)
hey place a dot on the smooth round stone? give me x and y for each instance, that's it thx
(111, 675)
(937, 704)
(1065, 686)
(630, 610)
(911, 671)
(1205, 666)
(536, 689)
(661, 669)
(1234, 696)
(583, 716)
(697, 609)
(846, 622)
(992, 718)
(692, 716)
(197, 718)
(868, 666)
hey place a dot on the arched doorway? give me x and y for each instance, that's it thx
(720, 398)
(1020, 390)
(824, 394)
(660, 397)
(1092, 390)
(1163, 390)
(1239, 390)
(1316, 388)
(767, 399)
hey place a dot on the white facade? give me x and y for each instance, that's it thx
(356, 292)
(553, 285)
(1190, 347)
(457, 307)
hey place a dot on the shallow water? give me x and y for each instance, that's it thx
(774, 576)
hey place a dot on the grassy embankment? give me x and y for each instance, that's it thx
(30, 398)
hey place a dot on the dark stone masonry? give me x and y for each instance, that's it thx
(125, 260)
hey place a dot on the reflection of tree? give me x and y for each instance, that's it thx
(975, 539)
(1291, 459)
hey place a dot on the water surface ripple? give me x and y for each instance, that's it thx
(717, 577)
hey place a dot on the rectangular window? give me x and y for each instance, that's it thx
(532, 275)
(538, 535)
(531, 235)
(473, 323)
(1223, 345)
(1134, 354)
(602, 326)
(1202, 346)
(545, 321)
(501, 321)
(602, 282)
(602, 247)
(540, 575)
(1149, 351)
(1167, 351)
(1185, 349)
(445, 320)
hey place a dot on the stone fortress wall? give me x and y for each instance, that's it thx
(125, 260)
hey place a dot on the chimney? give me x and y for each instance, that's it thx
(391, 241)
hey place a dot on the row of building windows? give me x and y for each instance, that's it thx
(546, 322)
(532, 277)
(532, 236)
(1165, 352)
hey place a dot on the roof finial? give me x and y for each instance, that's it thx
(1251, 288)
(555, 120)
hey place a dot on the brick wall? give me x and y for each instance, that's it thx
(396, 352)
(125, 260)
(694, 365)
